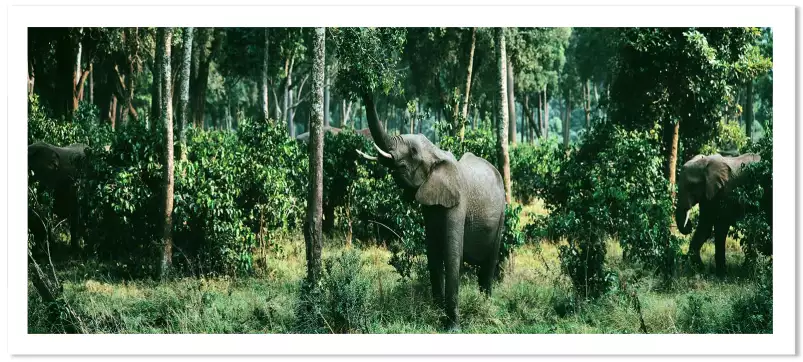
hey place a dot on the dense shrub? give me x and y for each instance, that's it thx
(82, 127)
(339, 303)
(612, 186)
(121, 196)
(754, 197)
(728, 137)
(531, 166)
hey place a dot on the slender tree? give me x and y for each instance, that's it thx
(313, 226)
(502, 132)
(511, 103)
(466, 97)
(748, 109)
(156, 91)
(184, 90)
(166, 35)
(263, 78)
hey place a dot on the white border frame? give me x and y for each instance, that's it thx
(780, 18)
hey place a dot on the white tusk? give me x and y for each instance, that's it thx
(687, 218)
(383, 153)
(372, 158)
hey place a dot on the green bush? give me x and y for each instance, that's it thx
(754, 197)
(122, 198)
(612, 186)
(339, 303)
(728, 136)
(530, 167)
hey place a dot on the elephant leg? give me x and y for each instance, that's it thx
(698, 239)
(720, 236)
(453, 258)
(435, 266)
(486, 277)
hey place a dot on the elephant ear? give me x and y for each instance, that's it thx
(43, 158)
(442, 187)
(717, 174)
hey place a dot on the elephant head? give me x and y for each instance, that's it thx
(55, 166)
(704, 178)
(424, 171)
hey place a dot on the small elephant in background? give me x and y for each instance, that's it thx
(57, 169)
(707, 180)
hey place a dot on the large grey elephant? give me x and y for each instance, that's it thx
(708, 180)
(463, 204)
(57, 169)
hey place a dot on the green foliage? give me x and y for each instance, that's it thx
(754, 197)
(383, 215)
(122, 199)
(612, 186)
(82, 127)
(531, 166)
(340, 301)
(729, 136)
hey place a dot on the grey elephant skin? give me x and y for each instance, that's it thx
(57, 169)
(463, 204)
(707, 180)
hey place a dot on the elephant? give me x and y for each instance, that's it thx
(708, 180)
(463, 204)
(57, 169)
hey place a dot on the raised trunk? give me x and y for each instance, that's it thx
(374, 124)
(511, 102)
(184, 91)
(466, 98)
(748, 110)
(502, 132)
(167, 122)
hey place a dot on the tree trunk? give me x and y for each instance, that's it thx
(587, 103)
(91, 83)
(167, 122)
(546, 112)
(671, 135)
(113, 112)
(156, 91)
(466, 98)
(502, 132)
(184, 91)
(748, 110)
(312, 230)
(263, 79)
(199, 95)
(567, 120)
(511, 103)
(326, 95)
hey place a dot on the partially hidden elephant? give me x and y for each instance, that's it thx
(463, 204)
(57, 169)
(707, 180)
